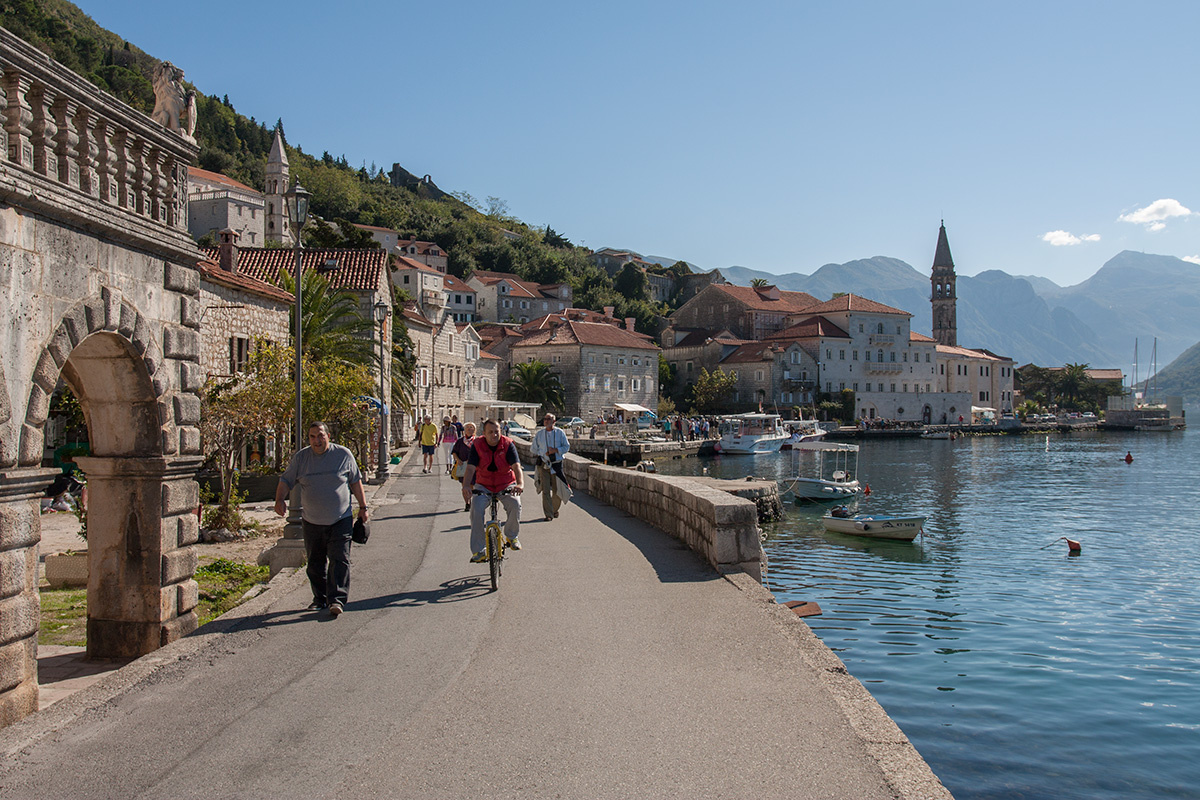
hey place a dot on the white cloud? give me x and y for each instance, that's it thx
(1063, 238)
(1155, 215)
(1192, 259)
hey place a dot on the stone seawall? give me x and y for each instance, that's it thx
(722, 528)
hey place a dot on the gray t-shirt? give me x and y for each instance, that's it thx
(324, 482)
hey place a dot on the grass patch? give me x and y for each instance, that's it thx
(222, 584)
(64, 617)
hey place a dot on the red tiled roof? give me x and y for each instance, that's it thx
(576, 314)
(788, 302)
(422, 247)
(374, 228)
(212, 272)
(752, 351)
(218, 178)
(453, 284)
(520, 288)
(357, 270)
(489, 356)
(593, 333)
(852, 302)
(913, 336)
(699, 336)
(966, 352)
(404, 262)
(810, 328)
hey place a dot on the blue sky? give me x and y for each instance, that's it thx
(777, 136)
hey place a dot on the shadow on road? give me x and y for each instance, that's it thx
(673, 561)
(449, 592)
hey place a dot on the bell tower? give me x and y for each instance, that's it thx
(944, 295)
(278, 227)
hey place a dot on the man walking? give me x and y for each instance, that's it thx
(428, 434)
(327, 475)
(550, 444)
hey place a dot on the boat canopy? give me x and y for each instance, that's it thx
(633, 408)
(827, 446)
(751, 416)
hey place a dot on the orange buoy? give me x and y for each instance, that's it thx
(866, 488)
(1129, 458)
(1074, 546)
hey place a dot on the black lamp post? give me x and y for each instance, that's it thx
(382, 310)
(297, 203)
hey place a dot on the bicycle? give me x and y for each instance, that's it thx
(493, 536)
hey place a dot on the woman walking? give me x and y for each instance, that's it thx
(448, 437)
(461, 452)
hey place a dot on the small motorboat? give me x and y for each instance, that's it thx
(938, 435)
(874, 526)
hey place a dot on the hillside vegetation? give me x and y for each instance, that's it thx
(475, 235)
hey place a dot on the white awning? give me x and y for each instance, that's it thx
(633, 407)
(982, 410)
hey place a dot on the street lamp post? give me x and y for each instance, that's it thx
(297, 203)
(382, 310)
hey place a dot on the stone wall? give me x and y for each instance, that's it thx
(255, 318)
(722, 528)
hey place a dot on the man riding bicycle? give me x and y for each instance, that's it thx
(494, 466)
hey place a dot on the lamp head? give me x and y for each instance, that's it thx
(297, 200)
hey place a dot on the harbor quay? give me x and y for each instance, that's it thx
(615, 660)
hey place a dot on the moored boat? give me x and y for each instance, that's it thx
(873, 526)
(751, 434)
(835, 480)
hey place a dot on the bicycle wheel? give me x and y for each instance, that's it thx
(494, 553)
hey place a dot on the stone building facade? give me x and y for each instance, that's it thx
(453, 373)
(502, 297)
(748, 312)
(599, 365)
(216, 202)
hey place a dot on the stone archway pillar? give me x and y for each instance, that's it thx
(141, 526)
(20, 531)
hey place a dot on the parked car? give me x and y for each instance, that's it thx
(571, 422)
(516, 429)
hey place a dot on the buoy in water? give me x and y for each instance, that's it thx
(1073, 546)
(866, 488)
(1129, 458)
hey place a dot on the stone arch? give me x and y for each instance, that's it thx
(140, 522)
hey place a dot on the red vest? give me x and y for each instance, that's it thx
(502, 477)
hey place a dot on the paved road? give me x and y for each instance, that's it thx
(611, 663)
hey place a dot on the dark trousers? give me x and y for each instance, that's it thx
(328, 548)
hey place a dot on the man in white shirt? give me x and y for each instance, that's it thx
(549, 446)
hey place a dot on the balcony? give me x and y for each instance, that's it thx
(883, 367)
(432, 297)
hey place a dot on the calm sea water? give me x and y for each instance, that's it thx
(1017, 670)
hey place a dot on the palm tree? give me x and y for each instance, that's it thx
(333, 326)
(758, 282)
(535, 383)
(1072, 384)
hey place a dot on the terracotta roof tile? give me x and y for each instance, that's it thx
(788, 302)
(218, 178)
(590, 333)
(913, 336)
(454, 284)
(852, 302)
(752, 351)
(211, 271)
(357, 270)
(404, 262)
(810, 328)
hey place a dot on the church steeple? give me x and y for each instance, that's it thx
(944, 296)
(278, 180)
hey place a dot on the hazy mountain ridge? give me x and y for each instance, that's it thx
(1181, 377)
(1028, 318)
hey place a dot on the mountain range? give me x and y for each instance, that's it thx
(1133, 296)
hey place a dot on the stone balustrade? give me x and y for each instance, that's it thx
(71, 147)
(722, 528)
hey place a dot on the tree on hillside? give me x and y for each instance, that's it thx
(533, 382)
(631, 283)
(713, 391)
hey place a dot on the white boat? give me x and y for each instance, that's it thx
(804, 430)
(874, 526)
(751, 433)
(937, 435)
(831, 476)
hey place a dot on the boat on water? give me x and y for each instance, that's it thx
(832, 474)
(938, 435)
(804, 430)
(873, 526)
(751, 434)
(1157, 425)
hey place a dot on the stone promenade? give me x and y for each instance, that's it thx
(612, 663)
